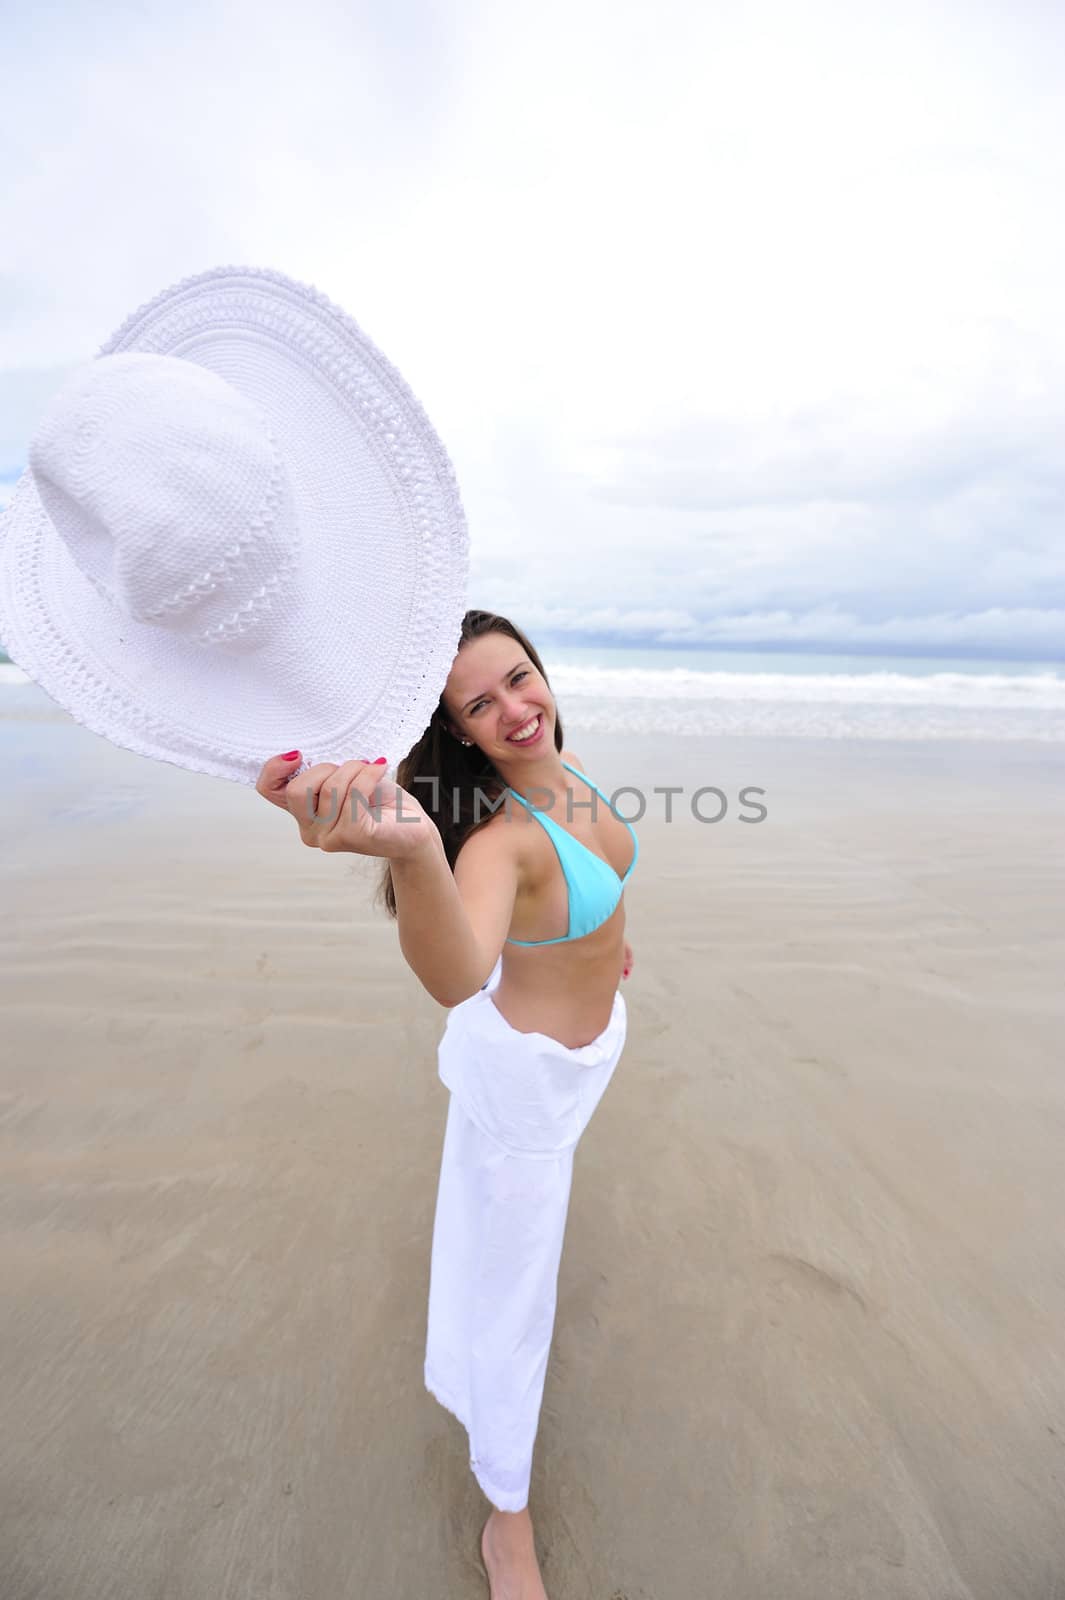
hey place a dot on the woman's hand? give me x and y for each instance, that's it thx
(627, 967)
(353, 807)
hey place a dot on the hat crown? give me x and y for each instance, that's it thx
(171, 496)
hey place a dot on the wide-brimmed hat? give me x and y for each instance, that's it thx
(238, 534)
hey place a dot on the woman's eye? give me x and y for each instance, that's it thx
(524, 673)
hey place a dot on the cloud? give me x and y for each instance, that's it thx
(722, 313)
(1034, 634)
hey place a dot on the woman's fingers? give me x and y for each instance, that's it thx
(355, 806)
(273, 780)
(313, 800)
(334, 805)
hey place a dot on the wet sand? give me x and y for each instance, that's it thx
(809, 1329)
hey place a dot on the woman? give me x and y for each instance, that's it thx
(513, 917)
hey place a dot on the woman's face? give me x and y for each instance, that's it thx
(494, 694)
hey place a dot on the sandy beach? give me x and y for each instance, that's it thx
(808, 1341)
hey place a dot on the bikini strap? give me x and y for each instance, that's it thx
(585, 779)
(539, 811)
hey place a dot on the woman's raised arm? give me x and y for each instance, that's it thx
(452, 926)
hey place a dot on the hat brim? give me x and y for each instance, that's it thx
(358, 661)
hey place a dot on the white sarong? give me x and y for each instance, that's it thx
(519, 1104)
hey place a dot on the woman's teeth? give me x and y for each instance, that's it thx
(525, 732)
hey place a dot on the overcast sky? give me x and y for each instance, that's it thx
(740, 322)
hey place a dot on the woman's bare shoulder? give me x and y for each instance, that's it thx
(489, 835)
(495, 838)
(574, 761)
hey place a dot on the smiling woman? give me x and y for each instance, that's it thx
(514, 919)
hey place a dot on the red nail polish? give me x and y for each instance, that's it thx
(290, 755)
(382, 761)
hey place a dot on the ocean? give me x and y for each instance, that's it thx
(698, 692)
(693, 692)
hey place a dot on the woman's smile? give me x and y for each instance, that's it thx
(530, 732)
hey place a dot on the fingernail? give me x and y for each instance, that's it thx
(290, 755)
(382, 761)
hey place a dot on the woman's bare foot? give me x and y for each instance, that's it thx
(510, 1557)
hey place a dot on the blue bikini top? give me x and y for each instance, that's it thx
(594, 887)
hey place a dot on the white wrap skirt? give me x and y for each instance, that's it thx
(519, 1104)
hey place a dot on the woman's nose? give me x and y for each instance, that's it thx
(512, 706)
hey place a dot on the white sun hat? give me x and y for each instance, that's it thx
(238, 534)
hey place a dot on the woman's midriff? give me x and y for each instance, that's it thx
(564, 990)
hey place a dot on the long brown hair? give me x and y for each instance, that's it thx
(460, 770)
